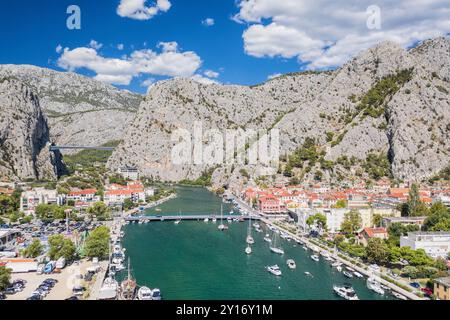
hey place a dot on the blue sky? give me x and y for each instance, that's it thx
(265, 37)
(31, 30)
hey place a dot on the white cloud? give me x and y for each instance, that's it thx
(95, 45)
(203, 80)
(211, 74)
(327, 33)
(137, 9)
(170, 62)
(208, 22)
(120, 46)
(59, 49)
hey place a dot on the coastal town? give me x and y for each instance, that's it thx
(66, 243)
(55, 245)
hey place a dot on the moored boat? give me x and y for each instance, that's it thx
(291, 264)
(144, 293)
(275, 270)
(374, 285)
(346, 292)
(315, 257)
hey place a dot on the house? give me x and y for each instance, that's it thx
(30, 199)
(6, 191)
(442, 288)
(445, 199)
(335, 217)
(301, 215)
(387, 221)
(435, 244)
(357, 200)
(370, 233)
(271, 204)
(117, 194)
(129, 172)
(86, 195)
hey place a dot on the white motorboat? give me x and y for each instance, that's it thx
(399, 296)
(144, 293)
(339, 268)
(291, 264)
(358, 275)
(177, 221)
(206, 220)
(109, 290)
(275, 270)
(156, 294)
(308, 274)
(305, 248)
(374, 285)
(214, 220)
(267, 239)
(248, 250)
(346, 292)
(315, 257)
(350, 269)
(347, 274)
(336, 264)
(250, 240)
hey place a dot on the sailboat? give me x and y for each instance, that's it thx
(128, 286)
(248, 249)
(250, 239)
(179, 219)
(273, 246)
(222, 227)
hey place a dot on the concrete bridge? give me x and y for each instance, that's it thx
(198, 217)
(54, 148)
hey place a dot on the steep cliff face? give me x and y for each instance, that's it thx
(387, 101)
(24, 135)
(80, 110)
(179, 103)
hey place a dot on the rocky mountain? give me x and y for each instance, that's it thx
(80, 110)
(24, 134)
(384, 113)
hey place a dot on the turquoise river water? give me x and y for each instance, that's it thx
(194, 260)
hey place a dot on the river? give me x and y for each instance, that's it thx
(194, 260)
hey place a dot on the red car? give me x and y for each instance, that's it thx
(427, 291)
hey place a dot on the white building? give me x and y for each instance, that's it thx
(129, 172)
(302, 215)
(335, 217)
(435, 244)
(442, 198)
(30, 199)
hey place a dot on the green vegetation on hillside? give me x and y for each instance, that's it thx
(87, 158)
(373, 102)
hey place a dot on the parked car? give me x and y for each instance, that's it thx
(2, 296)
(9, 290)
(427, 291)
(415, 285)
(73, 298)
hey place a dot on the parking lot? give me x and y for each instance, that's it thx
(63, 288)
